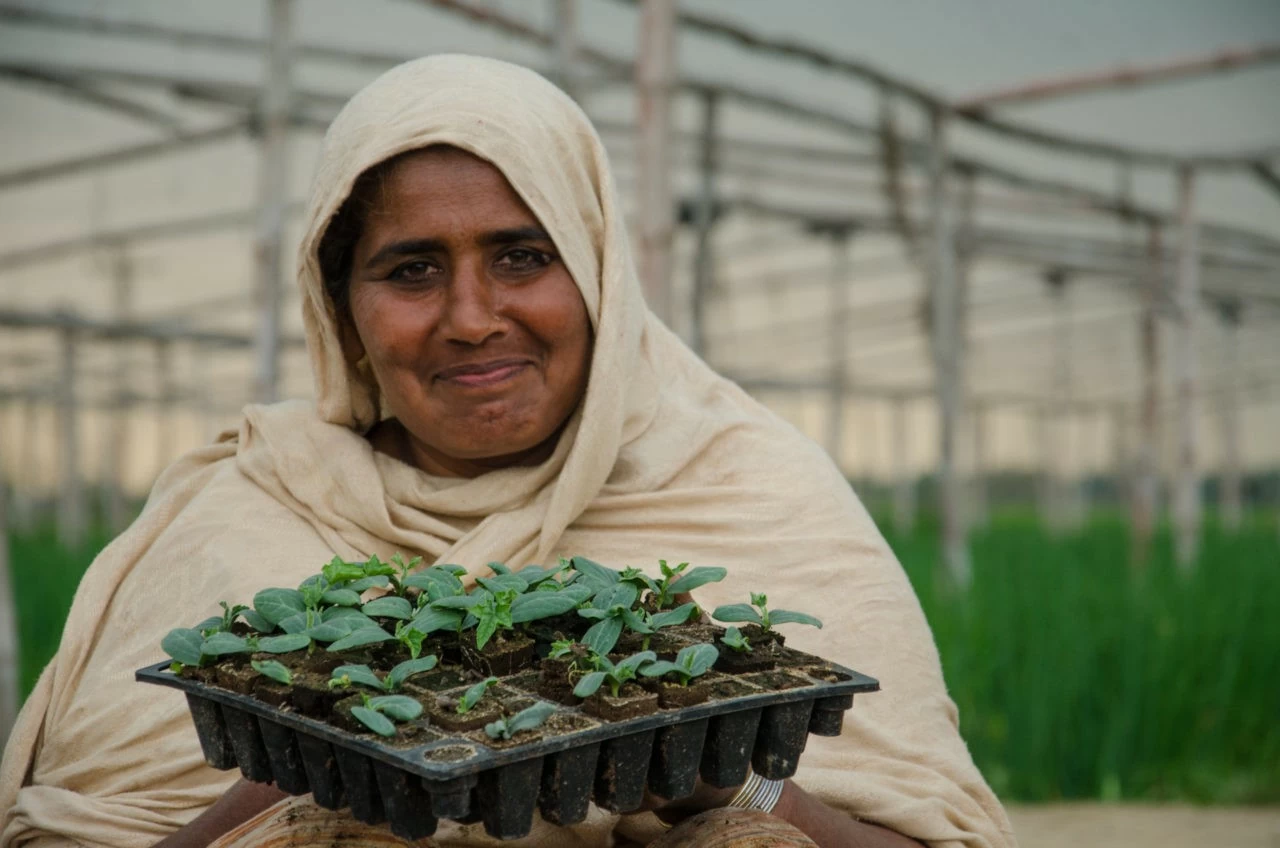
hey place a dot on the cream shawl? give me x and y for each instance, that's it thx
(662, 459)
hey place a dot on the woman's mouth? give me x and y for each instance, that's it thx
(482, 374)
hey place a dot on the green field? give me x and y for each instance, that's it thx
(1076, 676)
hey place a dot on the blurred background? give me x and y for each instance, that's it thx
(1015, 264)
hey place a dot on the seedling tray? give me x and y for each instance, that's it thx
(752, 723)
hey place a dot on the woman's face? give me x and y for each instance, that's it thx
(476, 334)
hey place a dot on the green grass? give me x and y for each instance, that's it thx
(1076, 676)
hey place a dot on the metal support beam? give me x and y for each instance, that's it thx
(1146, 488)
(979, 497)
(704, 222)
(166, 394)
(837, 345)
(1230, 500)
(1187, 505)
(71, 506)
(655, 85)
(904, 483)
(948, 351)
(273, 165)
(115, 457)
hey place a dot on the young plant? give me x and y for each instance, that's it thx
(474, 694)
(676, 581)
(735, 641)
(614, 675)
(693, 661)
(348, 675)
(377, 713)
(666, 618)
(611, 611)
(274, 670)
(222, 643)
(761, 615)
(530, 718)
(397, 572)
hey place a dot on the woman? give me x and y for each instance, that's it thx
(490, 386)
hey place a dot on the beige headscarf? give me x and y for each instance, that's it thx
(662, 459)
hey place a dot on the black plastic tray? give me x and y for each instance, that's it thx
(610, 763)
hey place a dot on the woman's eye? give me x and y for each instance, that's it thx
(523, 259)
(414, 271)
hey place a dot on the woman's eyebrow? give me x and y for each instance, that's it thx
(515, 234)
(409, 247)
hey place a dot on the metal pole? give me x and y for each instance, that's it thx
(948, 350)
(1121, 461)
(116, 458)
(273, 187)
(655, 83)
(27, 476)
(1063, 513)
(1229, 483)
(8, 623)
(164, 407)
(565, 33)
(704, 220)
(980, 507)
(1146, 487)
(71, 507)
(904, 484)
(837, 345)
(1187, 503)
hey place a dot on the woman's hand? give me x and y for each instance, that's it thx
(241, 802)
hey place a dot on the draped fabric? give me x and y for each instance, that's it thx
(662, 459)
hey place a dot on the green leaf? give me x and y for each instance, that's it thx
(596, 575)
(633, 662)
(759, 599)
(335, 613)
(255, 620)
(499, 568)
(376, 566)
(698, 659)
(792, 617)
(618, 595)
(389, 606)
(399, 707)
(224, 643)
(737, 612)
(485, 629)
(342, 597)
(338, 572)
(633, 621)
(299, 622)
(734, 639)
(700, 576)
(373, 581)
(671, 618)
(538, 605)
(364, 636)
(332, 631)
(530, 717)
(589, 684)
(275, 605)
(473, 695)
(274, 670)
(361, 674)
(535, 575)
(184, 645)
(431, 619)
(460, 601)
(409, 668)
(663, 667)
(284, 644)
(594, 614)
(437, 583)
(603, 635)
(375, 721)
(503, 583)
(580, 592)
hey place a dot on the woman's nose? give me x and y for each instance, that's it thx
(470, 315)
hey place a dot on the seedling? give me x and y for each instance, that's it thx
(474, 694)
(611, 610)
(595, 575)
(377, 713)
(676, 581)
(561, 648)
(530, 718)
(761, 614)
(693, 661)
(735, 641)
(667, 618)
(221, 643)
(276, 671)
(614, 675)
(347, 675)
